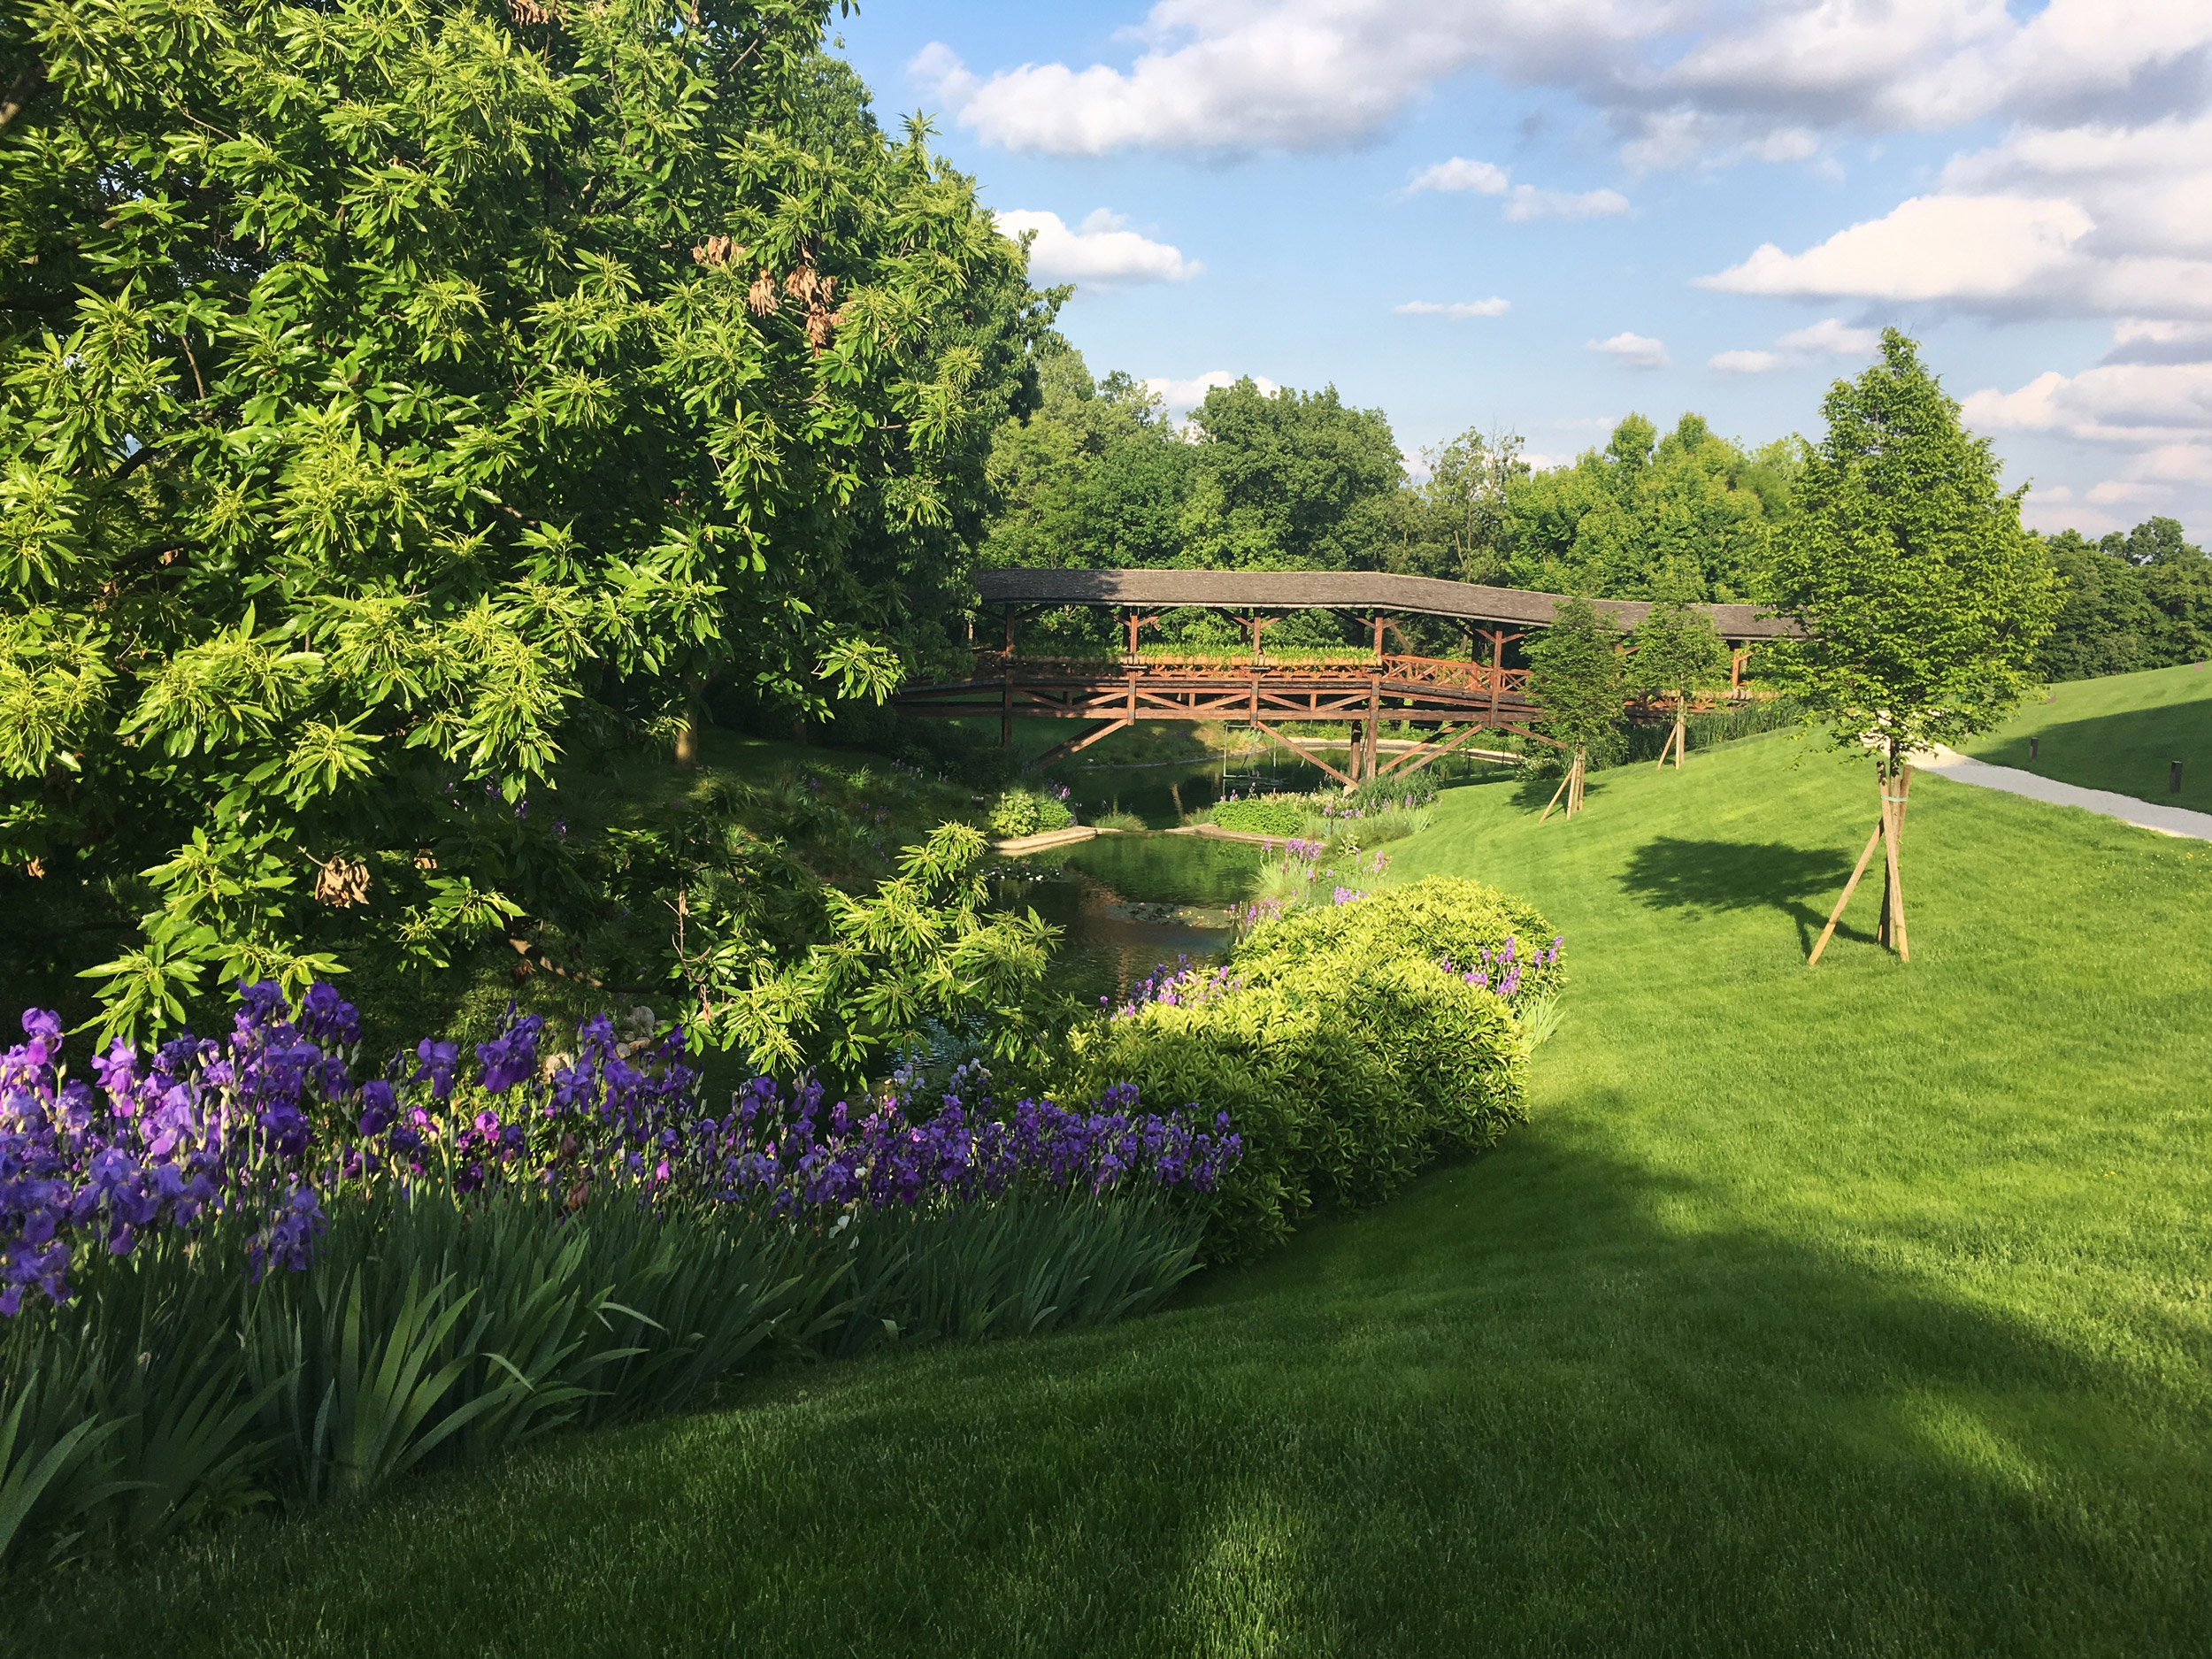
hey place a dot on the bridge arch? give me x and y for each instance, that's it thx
(1454, 700)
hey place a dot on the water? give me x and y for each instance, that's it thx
(1160, 795)
(1126, 903)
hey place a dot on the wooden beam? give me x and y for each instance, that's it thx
(1076, 745)
(1303, 753)
(1414, 759)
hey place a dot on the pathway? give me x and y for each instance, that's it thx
(2166, 820)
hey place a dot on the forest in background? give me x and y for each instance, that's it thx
(1095, 474)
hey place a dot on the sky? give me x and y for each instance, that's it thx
(1540, 215)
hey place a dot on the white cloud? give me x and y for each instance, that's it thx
(1681, 82)
(1100, 251)
(1181, 396)
(1523, 202)
(1927, 247)
(1458, 311)
(1633, 351)
(2126, 402)
(1828, 337)
(1240, 75)
(1527, 202)
(1459, 173)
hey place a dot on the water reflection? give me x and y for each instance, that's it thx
(1126, 903)
(1160, 794)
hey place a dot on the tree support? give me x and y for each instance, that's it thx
(1888, 830)
(1077, 745)
(1304, 754)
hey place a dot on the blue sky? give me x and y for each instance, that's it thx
(1616, 194)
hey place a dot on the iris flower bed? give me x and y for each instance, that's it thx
(239, 1272)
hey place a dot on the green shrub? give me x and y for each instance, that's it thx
(1022, 811)
(1262, 817)
(1345, 1051)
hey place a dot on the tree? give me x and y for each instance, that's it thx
(397, 390)
(1677, 655)
(1575, 677)
(1688, 514)
(1288, 480)
(1922, 599)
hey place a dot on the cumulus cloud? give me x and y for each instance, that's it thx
(1100, 252)
(1633, 351)
(1927, 247)
(1459, 173)
(1181, 397)
(1458, 311)
(1680, 82)
(2129, 403)
(1828, 337)
(1523, 202)
(1527, 202)
(1240, 75)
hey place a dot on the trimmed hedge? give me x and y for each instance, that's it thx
(1262, 817)
(1346, 1054)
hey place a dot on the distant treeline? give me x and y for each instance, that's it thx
(1097, 476)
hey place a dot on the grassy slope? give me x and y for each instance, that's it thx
(2121, 733)
(1855, 1309)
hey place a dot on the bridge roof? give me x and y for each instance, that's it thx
(1333, 590)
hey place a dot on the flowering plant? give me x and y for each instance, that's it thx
(262, 1130)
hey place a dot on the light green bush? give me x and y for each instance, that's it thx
(1021, 811)
(1262, 817)
(1346, 1054)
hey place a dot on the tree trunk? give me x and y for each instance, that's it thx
(695, 718)
(1895, 787)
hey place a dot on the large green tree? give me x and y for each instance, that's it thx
(2141, 600)
(1689, 513)
(1288, 481)
(395, 389)
(1922, 599)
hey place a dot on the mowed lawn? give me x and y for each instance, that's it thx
(1861, 1309)
(2122, 733)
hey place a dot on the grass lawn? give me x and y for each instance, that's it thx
(2121, 732)
(1865, 1310)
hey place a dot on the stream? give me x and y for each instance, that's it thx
(1125, 903)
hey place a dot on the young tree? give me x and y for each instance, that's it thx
(1677, 655)
(1575, 677)
(396, 389)
(1922, 599)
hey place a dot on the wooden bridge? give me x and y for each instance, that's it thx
(1457, 699)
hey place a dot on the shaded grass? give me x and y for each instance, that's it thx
(1859, 1309)
(2121, 732)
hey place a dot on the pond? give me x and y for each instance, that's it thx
(1161, 793)
(1125, 903)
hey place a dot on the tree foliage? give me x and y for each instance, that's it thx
(1690, 515)
(1576, 676)
(1923, 599)
(1677, 653)
(2142, 600)
(397, 390)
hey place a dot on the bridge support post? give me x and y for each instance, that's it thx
(1374, 722)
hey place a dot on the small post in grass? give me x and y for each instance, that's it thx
(2035, 746)
(2173, 780)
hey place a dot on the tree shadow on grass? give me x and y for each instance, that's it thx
(1526, 1407)
(1674, 874)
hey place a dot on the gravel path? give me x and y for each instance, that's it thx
(2167, 821)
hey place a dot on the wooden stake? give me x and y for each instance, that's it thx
(1555, 794)
(1894, 805)
(1849, 886)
